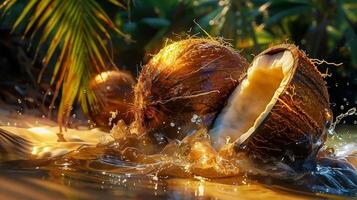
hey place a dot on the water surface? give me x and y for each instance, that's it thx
(38, 167)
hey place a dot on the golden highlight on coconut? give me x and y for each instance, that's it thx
(184, 86)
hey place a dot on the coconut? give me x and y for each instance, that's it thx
(280, 111)
(184, 86)
(114, 89)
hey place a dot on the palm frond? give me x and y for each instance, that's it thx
(74, 35)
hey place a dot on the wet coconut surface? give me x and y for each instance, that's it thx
(280, 111)
(130, 162)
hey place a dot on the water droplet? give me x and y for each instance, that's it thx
(342, 107)
(344, 99)
(74, 116)
(351, 111)
(19, 101)
(194, 118)
(228, 140)
(336, 84)
(43, 116)
(155, 178)
(331, 129)
(172, 124)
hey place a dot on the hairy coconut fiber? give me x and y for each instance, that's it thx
(114, 89)
(280, 111)
(184, 86)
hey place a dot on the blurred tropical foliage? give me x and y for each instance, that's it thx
(74, 35)
(326, 30)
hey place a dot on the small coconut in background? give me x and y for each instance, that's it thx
(280, 111)
(184, 86)
(114, 89)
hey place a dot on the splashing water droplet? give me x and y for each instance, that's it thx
(331, 129)
(196, 119)
(351, 111)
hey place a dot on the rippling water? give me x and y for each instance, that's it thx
(34, 165)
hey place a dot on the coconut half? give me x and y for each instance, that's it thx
(279, 110)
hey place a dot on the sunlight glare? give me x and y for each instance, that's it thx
(40, 130)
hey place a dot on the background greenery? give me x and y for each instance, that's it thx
(325, 29)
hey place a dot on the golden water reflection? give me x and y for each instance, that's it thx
(93, 180)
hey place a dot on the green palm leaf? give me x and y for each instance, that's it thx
(74, 33)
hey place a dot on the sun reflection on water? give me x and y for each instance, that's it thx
(40, 130)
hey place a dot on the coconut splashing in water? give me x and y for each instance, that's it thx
(195, 93)
(188, 79)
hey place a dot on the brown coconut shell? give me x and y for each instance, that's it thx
(295, 128)
(114, 89)
(184, 86)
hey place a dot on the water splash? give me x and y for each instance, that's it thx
(331, 129)
(192, 157)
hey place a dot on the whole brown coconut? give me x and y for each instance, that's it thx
(280, 111)
(114, 89)
(184, 86)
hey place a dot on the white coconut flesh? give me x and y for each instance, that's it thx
(253, 98)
